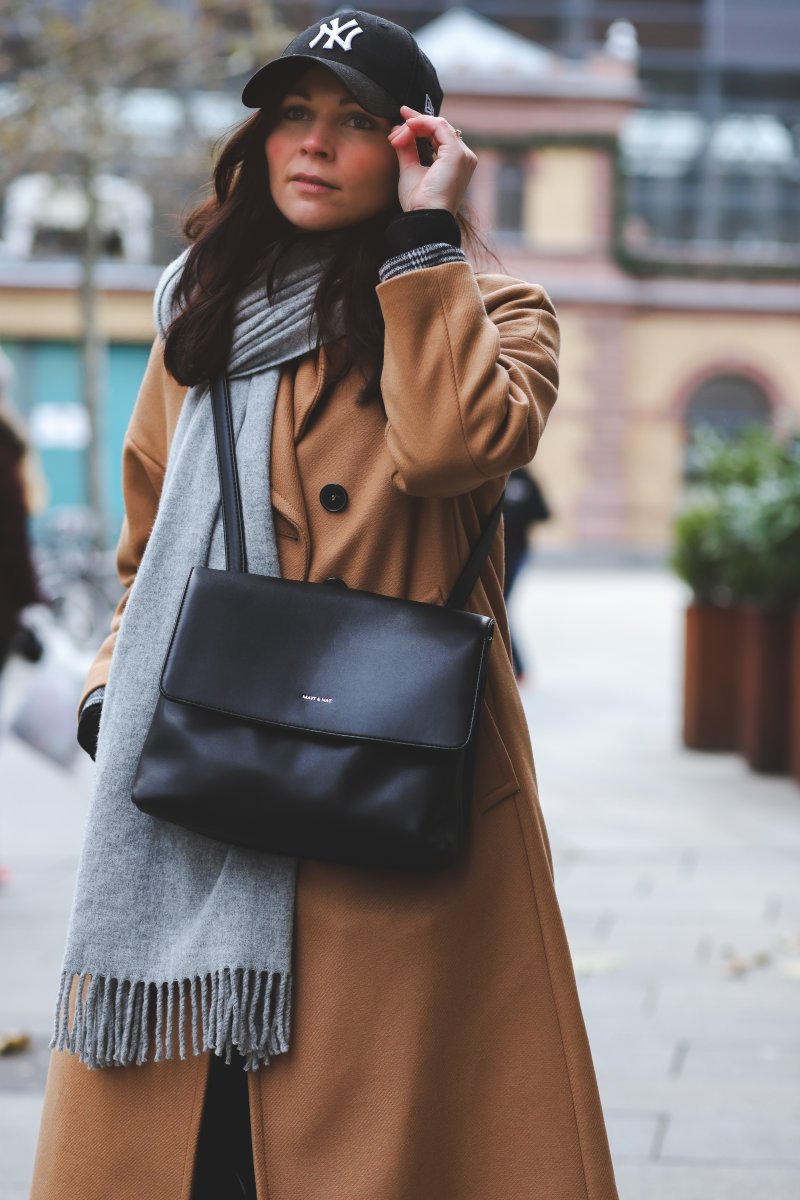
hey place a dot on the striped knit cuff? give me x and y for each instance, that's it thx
(89, 722)
(94, 697)
(432, 255)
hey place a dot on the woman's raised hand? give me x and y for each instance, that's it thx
(441, 185)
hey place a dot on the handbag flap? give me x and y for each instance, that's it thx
(328, 659)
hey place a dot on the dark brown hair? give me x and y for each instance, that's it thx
(239, 232)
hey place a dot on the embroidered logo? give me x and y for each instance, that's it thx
(319, 699)
(334, 32)
(429, 105)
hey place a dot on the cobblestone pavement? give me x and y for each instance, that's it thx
(678, 879)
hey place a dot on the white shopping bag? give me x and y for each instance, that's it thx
(46, 717)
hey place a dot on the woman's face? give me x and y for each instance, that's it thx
(321, 130)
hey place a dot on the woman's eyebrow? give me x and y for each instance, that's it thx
(348, 99)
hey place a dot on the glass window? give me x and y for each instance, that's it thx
(510, 193)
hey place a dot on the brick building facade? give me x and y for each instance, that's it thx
(649, 346)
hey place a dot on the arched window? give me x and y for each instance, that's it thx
(726, 404)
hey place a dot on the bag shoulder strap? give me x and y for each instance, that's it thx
(466, 581)
(233, 519)
(230, 494)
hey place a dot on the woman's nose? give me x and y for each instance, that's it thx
(317, 140)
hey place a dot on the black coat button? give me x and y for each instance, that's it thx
(333, 497)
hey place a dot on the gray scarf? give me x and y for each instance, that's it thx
(176, 940)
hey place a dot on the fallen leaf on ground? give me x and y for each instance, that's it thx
(14, 1043)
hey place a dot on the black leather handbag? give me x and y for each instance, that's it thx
(314, 719)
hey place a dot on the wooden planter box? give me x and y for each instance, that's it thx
(766, 649)
(711, 678)
(794, 723)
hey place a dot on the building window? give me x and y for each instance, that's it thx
(726, 405)
(703, 189)
(511, 170)
(45, 217)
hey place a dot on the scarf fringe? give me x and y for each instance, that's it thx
(121, 1022)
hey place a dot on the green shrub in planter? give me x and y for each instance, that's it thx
(710, 718)
(738, 544)
(740, 537)
(762, 572)
(702, 549)
(762, 547)
(747, 459)
(779, 519)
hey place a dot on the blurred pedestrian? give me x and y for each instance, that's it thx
(19, 584)
(437, 1044)
(524, 507)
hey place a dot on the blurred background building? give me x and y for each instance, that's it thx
(640, 159)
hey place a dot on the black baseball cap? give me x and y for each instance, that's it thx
(379, 62)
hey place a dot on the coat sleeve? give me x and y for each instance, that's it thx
(144, 454)
(470, 375)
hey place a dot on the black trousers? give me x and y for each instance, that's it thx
(516, 557)
(224, 1161)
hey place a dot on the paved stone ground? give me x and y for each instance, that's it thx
(679, 884)
(678, 878)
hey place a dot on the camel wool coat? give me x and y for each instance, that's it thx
(438, 1051)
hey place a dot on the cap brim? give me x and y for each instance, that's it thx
(268, 82)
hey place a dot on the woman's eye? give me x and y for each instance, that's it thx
(296, 112)
(360, 117)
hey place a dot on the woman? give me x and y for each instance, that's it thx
(19, 586)
(21, 493)
(19, 583)
(523, 505)
(437, 1046)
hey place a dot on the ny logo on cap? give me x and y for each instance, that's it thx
(334, 30)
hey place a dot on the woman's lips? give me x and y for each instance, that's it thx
(306, 186)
